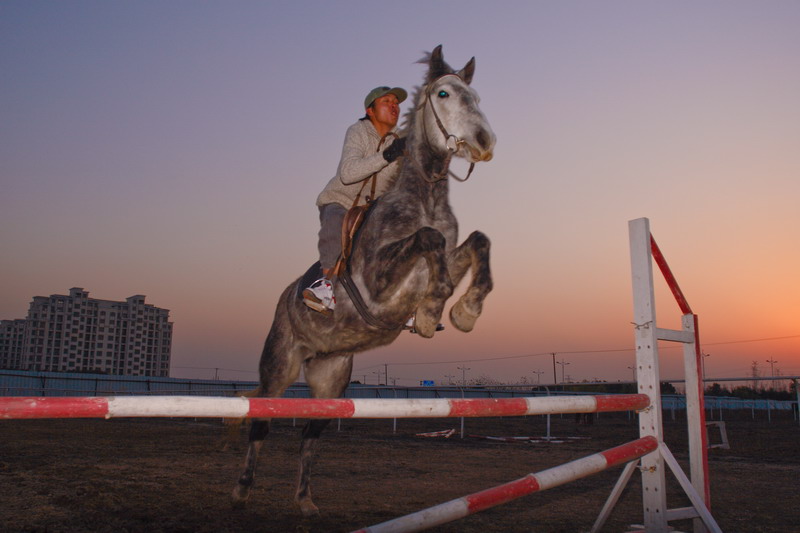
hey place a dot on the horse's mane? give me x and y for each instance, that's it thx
(437, 67)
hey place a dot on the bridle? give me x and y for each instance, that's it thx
(452, 143)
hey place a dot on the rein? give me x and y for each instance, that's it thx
(451, 150)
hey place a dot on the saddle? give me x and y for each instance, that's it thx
(352, 223)
(353, 220)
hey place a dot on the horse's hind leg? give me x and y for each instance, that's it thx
(328, 377)
(279, 367)
(472, 254)
(258, 432)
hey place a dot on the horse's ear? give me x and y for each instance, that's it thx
(436, 65)
(468, 71)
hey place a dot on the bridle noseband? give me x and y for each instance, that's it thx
(451, 142)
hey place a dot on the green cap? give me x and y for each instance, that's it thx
(377, 92)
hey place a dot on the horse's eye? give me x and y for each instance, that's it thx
(443, 94)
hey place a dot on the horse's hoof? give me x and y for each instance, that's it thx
(461, 318)
(308, 509)
(239, 497)
(425, 330)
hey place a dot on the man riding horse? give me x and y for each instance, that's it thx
(405, 261)
(363, 155)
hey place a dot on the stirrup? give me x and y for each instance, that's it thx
(412, 322)
(319, 296)
(316, 305)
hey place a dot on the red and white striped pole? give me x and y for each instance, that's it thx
(239, 407)
(547, 479)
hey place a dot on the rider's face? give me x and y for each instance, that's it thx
(384, 111)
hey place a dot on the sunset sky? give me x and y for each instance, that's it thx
(175, 149)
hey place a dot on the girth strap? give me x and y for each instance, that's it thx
(361, 306)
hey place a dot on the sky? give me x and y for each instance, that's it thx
(175, 149)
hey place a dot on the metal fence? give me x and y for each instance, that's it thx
(28, 383)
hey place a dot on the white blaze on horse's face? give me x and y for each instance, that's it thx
(468, 133)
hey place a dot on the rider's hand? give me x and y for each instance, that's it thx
(395, 150)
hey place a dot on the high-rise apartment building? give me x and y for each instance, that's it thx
(77, 333)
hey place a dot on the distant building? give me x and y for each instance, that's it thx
(77, 333)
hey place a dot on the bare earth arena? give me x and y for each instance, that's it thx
(175, 474)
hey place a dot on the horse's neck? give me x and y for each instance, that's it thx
(421, 170)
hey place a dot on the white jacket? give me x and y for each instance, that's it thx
(360, 160)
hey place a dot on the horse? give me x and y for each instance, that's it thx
(404, 262)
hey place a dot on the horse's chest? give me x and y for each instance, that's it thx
(446, 224)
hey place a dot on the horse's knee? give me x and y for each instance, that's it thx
(430, 239)
(479, 240)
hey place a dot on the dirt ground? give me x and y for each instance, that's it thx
(175, 475)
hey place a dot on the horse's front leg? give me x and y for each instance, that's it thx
(399, 258)
(280, 364)
(472, 254)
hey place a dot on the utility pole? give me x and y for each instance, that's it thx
(555, 379)
(386, 371)
(463, 375)
(754, 372)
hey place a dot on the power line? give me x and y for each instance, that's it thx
(506, 357)
(751, 340)
(578, 352)
(509, 357)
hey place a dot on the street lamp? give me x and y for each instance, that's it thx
(704, 362)
(463, 375)
(538, 375)
(563, 364)
(772, 366)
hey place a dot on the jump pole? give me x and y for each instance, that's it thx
(546, 479)
(242, 407)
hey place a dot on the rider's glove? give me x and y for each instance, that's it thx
(395, 150)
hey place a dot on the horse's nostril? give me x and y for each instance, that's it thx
(484, 139)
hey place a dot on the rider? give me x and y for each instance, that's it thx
(363, 155)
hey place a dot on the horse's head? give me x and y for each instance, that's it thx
(451, 117)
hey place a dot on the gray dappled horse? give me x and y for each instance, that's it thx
(405, 261)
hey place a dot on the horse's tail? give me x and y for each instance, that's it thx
(233, 425)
